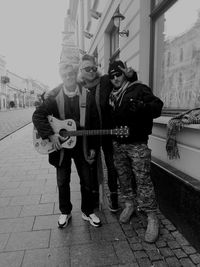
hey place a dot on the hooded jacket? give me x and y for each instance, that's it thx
(138, 118)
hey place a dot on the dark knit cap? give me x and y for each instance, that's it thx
(114, 67)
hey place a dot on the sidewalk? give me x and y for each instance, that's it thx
(12, 120)
(28, 221)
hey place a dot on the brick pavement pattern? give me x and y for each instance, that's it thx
(28, 221)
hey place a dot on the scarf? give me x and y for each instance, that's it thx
(116, 94)
(175, 125)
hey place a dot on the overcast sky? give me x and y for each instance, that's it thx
(31, 37)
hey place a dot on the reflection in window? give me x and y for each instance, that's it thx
(177, 55)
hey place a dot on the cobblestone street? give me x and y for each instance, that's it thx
(29, 211)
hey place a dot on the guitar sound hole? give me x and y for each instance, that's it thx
(63, 133)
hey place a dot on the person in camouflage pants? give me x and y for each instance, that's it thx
(133, 164)
(134, 105)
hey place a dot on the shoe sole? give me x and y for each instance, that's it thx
(65, 224)
(90, 221)
(112, 210)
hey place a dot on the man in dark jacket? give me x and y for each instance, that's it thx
(63, 103)
(134, 105)
(98, 117)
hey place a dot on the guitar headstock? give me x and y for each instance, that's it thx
(122, 131)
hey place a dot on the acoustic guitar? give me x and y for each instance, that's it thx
(67, 129)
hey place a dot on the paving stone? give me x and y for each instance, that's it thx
(148, 246)
(16, 224)
(180, 239)
(134, 239)
(154, 255)
(3, 241)
(111, 217)
(161, 244)
(186, 263)
(100, 254)
(136, 246)
(140, 254)
(10, 212)
(50, 257)
(28, 240)
(164, 231)
(167, 237)
(173, 262)
(179, 253)
(166, 221)
(166, 252)
(40, 209)
(124, 252)
(45, 222)
(33, 182)
(25, 200)
(10, 185)
(144, 262)
(159, 264)
(173, 244)
(15, 192)
(170, 227)
(109, 232)
(195, 258)
(49, 198)
(11, 259)
(189, 249)
(70, 236)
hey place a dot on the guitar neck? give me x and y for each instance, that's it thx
(90, 132)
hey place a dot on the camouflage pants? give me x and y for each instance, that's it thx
(133, 164)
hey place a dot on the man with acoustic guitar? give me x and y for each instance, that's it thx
(63, 103)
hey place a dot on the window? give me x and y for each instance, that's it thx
(176, 53)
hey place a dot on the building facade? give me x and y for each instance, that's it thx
(160, 40)
(16, 91)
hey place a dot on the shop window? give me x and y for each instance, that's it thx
(176, 71)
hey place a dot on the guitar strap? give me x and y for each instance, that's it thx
(61, 110)
(82, 105)
(100, 173)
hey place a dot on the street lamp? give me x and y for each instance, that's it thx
(117, 18)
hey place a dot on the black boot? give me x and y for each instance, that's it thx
(113, 202)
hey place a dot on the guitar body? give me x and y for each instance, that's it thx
(44, 146)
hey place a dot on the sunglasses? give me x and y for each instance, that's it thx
(118, 74)
(89, 69)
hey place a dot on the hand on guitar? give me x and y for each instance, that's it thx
(91, 157)
(55, 139)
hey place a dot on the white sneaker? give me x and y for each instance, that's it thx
(63, 220)
(92, 218)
